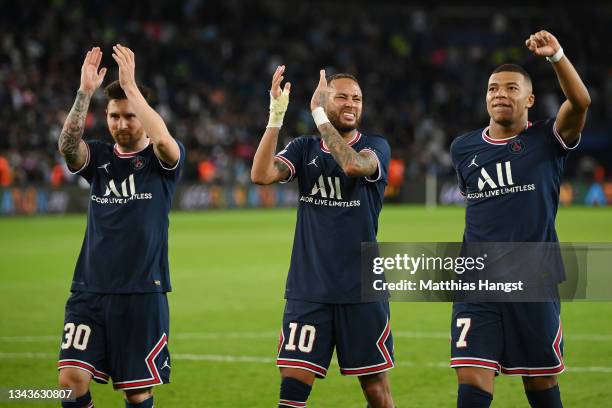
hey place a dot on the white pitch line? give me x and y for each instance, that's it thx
(217, 358)
(226, 335)
(26, 355)
(420, 335)
(223, 359)
(274, 335)
(29, 339)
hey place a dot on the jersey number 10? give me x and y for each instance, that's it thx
(307, 338)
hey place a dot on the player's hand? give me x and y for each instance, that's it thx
(319, 98)
(277, 78)
(543, 44)
(279, 98)
(91, 78)
(127, 64)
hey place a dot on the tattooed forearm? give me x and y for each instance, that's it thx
(347, 158)
(74, 125)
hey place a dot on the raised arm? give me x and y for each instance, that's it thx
(70, 144)
(165, 147)
(572, 113)
(352, 163)
(266, 169)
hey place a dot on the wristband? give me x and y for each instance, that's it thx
(278, 107)
(557, 56)
(319, 116)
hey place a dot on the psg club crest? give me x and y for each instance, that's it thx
(138, 162)
(516, 146)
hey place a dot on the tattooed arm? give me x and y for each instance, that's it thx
(352, 163)
(70, 144)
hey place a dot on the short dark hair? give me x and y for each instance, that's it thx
(341, 75)
(114, 91)
(512, 68)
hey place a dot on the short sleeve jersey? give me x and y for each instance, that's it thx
(125, 249)
(512, 185)
(336, 213)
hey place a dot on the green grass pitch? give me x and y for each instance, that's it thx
(228, 270)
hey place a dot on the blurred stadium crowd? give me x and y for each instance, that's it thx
(423, 71)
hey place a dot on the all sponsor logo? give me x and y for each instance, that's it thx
(328, 187)
(121, 192)
(501, 183)
(128, 188)
(504, 177)
(327, 191)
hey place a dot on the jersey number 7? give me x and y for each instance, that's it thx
(466, 322)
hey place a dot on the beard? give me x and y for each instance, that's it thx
(334, 119)
(124, 138)
(127, 139)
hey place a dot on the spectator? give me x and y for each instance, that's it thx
(212, 61)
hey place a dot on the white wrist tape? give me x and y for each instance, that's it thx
(319, 116)
(278, 107)
(558, 55)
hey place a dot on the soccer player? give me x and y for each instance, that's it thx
(523, 161)
(341, 179)
(116, 322)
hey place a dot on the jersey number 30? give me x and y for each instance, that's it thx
(76, 336)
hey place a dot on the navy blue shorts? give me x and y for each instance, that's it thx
(123, 337)
(512, 338)
(360, 333)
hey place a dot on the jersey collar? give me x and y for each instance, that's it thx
(129, 154)
(490, 140)
(350, 143)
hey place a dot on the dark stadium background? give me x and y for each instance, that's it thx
(423, 70)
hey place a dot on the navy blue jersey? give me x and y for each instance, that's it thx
(335, 214)
(511, 185)
(125, 249)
